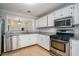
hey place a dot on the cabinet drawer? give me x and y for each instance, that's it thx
(74, 42)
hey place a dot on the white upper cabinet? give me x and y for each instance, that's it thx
(71, 10)
(68, 11)
(61, 13)
(41, 22)
(57, 14)
(37, 23)
(51, 19)
(64, 12)
(76, 15)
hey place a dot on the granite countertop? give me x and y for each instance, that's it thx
(75, 38)
(16, 34)
(9, 34)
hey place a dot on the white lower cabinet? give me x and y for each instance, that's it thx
(75, 51)
(44, 41)
(29, 39)
(23, 40)
(15, 42)
(26, 40)
(74, 47)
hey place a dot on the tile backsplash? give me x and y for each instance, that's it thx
(50, 30)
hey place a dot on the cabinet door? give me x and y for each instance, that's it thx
(43, 21)
(44, 41)
(51, 19)
(9, 44)
(68, 11)
(24, 41)
(76, 15)
(58, 14)
(74, 47)
(32, 39)
(15, 42)
(40, 22)
(75, 51)
(37, 23)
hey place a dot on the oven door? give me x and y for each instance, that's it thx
(58, 45)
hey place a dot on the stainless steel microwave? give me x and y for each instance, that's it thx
(64, 22)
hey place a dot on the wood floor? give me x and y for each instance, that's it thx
(29, 51)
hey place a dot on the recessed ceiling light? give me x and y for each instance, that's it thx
(29, 11)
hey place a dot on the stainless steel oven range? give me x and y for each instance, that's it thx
(60, 43)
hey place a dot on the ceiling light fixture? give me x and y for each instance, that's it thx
(28, 11)
(19, 22)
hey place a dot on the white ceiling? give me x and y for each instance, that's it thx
(37, 9)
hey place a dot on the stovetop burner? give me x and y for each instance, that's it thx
(62, 36)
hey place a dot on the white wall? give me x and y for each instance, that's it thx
(5, 13)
